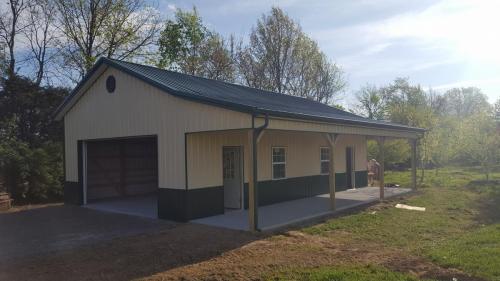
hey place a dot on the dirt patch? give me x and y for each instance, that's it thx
(293, 250)
(130, 257)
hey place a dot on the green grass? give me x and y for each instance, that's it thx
(476, 252)
(460, 228)
(351, 273)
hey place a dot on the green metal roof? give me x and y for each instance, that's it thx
(234, 96)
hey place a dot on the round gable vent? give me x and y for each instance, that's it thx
(110, 84)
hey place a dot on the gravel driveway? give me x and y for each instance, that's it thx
(55, 228)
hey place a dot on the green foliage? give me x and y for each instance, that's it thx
(344, 273)
(186, 45)
(478, 141)
(29, 108)
(460, 124)
(32, 174)
(31, 165)
(396, 152)
(371, 103)
(181, 42)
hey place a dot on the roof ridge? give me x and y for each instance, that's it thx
(235, 84)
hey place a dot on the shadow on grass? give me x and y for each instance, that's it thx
(489, 202)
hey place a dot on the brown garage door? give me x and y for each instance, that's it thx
(121, 167)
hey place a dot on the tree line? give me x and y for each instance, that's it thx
(46, 46)
(462, 127)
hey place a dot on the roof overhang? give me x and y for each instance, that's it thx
(304, 125)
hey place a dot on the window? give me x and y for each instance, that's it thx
(111, 84)
(279, 162)
(228, 165)
(325, 160)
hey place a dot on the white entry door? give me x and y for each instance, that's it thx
(232, 177)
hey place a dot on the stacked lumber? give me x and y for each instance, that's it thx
(5, 201)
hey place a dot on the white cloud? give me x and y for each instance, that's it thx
(171, 7)
(467, 29)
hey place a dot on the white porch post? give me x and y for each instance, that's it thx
(332, 138)
(381, 142)
(413, 144)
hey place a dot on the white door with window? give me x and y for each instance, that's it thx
(232, 177)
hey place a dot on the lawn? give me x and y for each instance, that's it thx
(460, 228)
(344, 273)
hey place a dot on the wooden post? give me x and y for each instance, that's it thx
(413, 143)
(252, 212)
(332, 138)
(381, 142)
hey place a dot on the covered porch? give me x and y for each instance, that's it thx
(336, 199)
(281, 171)
(281, 214)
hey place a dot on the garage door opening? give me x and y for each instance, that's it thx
(121, 175)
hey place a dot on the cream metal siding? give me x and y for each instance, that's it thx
(204, 154)
(309, 126)
(135, 109)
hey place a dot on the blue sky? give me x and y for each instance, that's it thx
(438, 44)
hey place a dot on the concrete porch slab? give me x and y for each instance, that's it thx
(142, 206)
(281, 214)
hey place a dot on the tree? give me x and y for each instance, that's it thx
(122, 29)
(9, 29)
(181, 42)
(41, 34)
(497, 110)
(396, 152)
(270, 52)
(313, 76)
(30, 108)
(186, 45)
(281, 58)
(478, 140)
(410, 105)
(464, 102)
(3, 62)
(371, 103)
(218, 58)
(30, 140)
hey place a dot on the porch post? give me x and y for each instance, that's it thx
(254, 136)
(413, 144)
(332, 138)
(252, 210)
(381, 142)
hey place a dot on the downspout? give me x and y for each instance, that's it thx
(256, 134)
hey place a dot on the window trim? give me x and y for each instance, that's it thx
(272, 162)
(321, 160)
